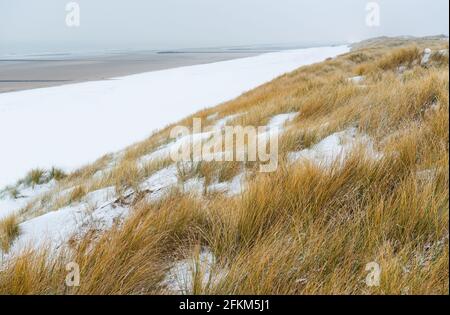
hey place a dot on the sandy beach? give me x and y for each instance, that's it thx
(53, 70)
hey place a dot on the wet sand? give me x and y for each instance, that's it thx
(47, 71)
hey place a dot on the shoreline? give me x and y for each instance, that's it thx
(27, 74)
(72, 125)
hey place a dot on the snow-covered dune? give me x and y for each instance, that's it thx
(70, 125)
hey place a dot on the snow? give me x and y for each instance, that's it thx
(275, 126)
(231, 188)
(212, 116)
(98, 211)
(281, 119)
(335, 147)
(97, 198)
(165, 150)
(443, 52)
(180, 278)
(165, 179)
(10, 205)
(356, 79)
(224, 121)
(71, 125)
(194, 185)
(162, 178)
(160, 182)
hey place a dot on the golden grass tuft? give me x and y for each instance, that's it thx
(35, 177)
(77, 193)
(9, 230)
(126, 175)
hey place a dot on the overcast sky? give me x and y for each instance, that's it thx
(205, 23)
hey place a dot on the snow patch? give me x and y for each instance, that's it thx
(57, 227)
(100, 197)
(10, 205)
(160, 183)
(224, 121)
(281, 119)
(356, 79)
(212, 116)
(194, 185)
(165, 151)
(232, 188)
(443, 52)
(275, 126)
(335, 147)
(162, 178)
(180, 278)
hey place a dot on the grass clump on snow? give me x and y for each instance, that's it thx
(9, 230)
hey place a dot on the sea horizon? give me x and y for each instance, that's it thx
(25, 51)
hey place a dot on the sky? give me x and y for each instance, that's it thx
(162, 24)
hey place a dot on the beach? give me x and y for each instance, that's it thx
(46, 70)
(73, 124)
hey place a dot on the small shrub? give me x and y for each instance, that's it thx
(155, 165)
(35, 177)
(77, 193)
(126, 175)
(188, 170)
(403, 56)
(57, 174)
(228, 170)
(14, 192)
(11, 191)
(359, 57)
(440, 59)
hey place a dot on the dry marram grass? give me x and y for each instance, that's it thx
(303, 229)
